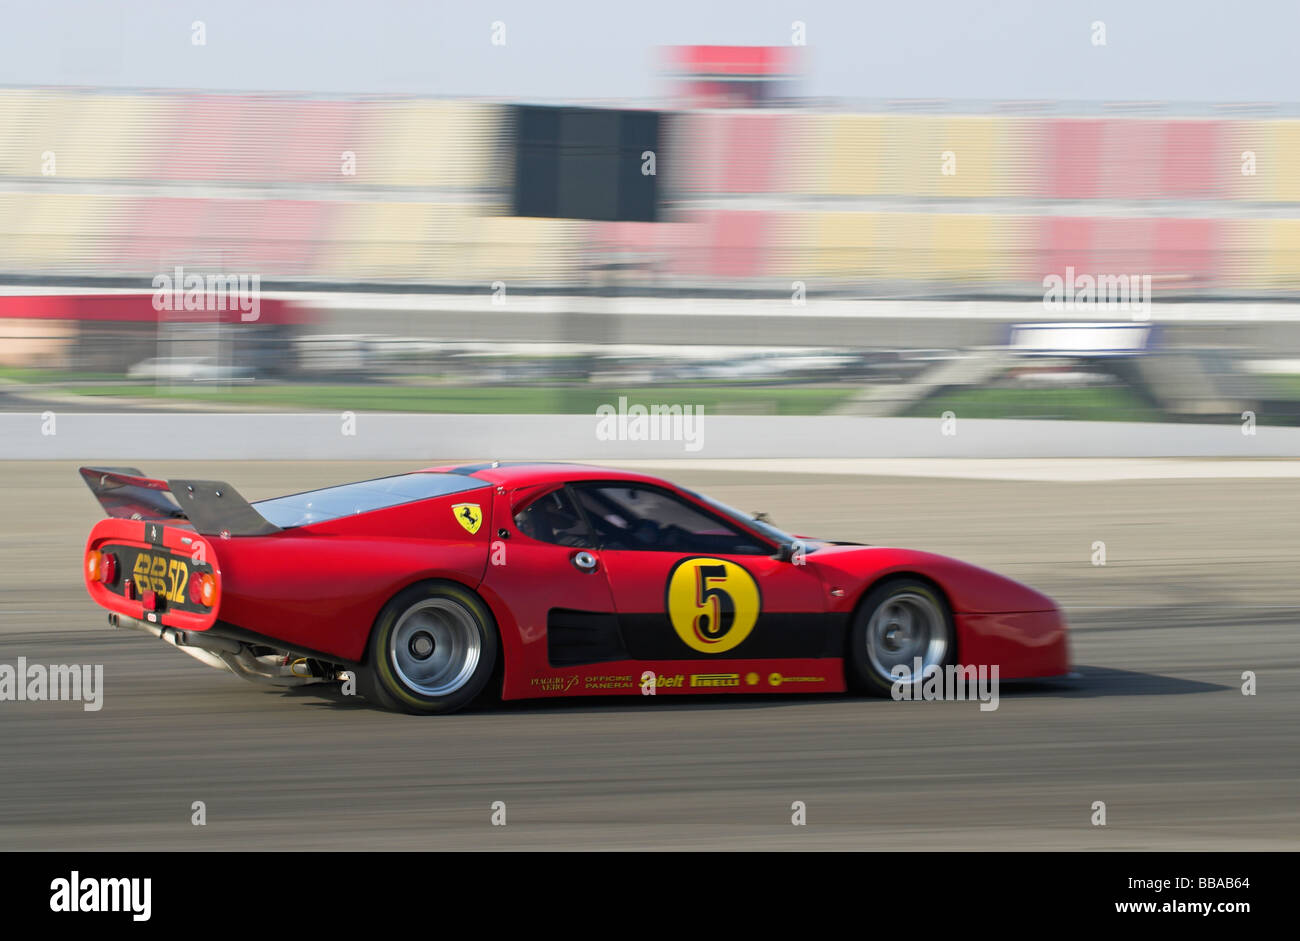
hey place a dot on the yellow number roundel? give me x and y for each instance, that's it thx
(712, 603)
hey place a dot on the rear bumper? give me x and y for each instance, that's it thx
(180, 555)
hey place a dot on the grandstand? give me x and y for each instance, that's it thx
(887, 199)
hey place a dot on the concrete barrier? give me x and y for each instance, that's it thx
(141, 436)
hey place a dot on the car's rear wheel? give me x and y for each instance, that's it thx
(902, 623)
(432, 650)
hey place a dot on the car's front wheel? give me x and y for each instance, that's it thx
(902, 628)
(432, 650)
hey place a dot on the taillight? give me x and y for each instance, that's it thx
(150, 600)
(108, 568)
(128, 590)
(203, 590)
(94, 559)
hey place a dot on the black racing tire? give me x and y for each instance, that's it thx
(433, 650)
(899, 619)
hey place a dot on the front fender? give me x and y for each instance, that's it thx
(998, 620)
(970, 589)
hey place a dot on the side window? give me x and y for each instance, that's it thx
(552, 518)
(646, 518)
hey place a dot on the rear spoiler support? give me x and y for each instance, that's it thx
(213, 507)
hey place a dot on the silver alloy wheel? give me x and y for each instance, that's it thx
(435, 646)
(906, 626)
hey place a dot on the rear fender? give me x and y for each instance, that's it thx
(322, 587)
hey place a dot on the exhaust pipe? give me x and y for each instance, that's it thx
(211, 658)
(270, 669)
(223, 654)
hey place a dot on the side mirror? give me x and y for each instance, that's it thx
(786, 551)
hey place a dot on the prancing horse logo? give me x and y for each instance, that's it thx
(468, 515)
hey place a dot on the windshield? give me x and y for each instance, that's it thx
(767, 529)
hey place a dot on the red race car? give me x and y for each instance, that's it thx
(536, 580)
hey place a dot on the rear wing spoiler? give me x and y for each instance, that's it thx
(212, 507)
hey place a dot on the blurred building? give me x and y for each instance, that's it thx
(732, 76)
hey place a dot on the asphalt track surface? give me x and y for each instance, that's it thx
(1199, 585)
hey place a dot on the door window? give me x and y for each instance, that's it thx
(647, 518)
(553, 518)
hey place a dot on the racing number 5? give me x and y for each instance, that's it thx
(715, 605)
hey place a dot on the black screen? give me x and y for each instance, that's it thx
(585, 163)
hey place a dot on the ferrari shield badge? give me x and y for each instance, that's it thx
(468, 515)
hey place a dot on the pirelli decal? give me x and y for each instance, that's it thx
(715, 680)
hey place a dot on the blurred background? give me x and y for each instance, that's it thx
(733, 241)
